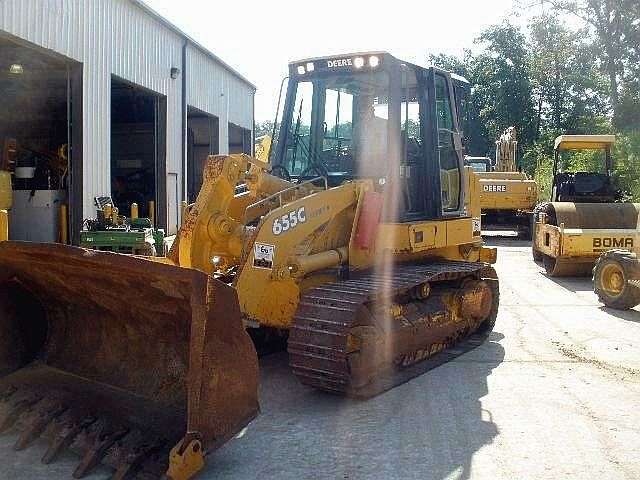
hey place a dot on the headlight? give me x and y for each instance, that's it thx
(310, 67)
(374, 61)
(301, 70)
(16, 69)
(358, 62)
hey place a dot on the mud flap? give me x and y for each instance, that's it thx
(119, 358)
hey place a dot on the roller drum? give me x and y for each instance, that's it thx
(593, 215)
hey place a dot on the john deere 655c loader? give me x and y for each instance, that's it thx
(358, 240)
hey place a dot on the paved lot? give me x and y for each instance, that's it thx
(553, 394)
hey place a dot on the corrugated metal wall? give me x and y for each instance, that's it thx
(118, 37)
(216, 91)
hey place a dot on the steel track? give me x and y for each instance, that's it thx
(318, 342)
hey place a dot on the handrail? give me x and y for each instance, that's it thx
(279, 195)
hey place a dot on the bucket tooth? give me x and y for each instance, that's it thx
(16, 407)
(100, 440)
(134, 451)
(65, 429)
(44, 414)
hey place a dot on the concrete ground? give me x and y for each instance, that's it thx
(553, 394)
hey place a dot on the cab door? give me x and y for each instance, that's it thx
(444, 148)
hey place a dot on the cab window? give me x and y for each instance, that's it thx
(450, 173)
(347, 134)
(298, 153)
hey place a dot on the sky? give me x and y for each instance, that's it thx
(260, 39)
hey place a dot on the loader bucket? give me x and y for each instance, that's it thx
(126, 361)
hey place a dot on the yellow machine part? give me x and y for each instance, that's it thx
(330, 223)
(507, 191)
(302, 231)
(4, 225)
(121, 359)
(6, 194)
(573, 235)
(584, 142)
(596, 215)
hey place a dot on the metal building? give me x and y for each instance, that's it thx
(136, 102)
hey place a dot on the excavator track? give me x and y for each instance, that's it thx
(364, 335)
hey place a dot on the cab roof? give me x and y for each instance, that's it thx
(378, 53)
(340, 55)
(584, 142)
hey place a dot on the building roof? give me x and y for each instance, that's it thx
(150, 11)
(584, 142)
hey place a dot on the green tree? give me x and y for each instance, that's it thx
(502, 88)
(569, 91)
(615, 25)
(263, 128)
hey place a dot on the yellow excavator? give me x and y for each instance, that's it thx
(507, 196)
(356, 239)
(585, 216)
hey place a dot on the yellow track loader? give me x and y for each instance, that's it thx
(583, 218)
(507, 196)
(363, 242)
(357, 240)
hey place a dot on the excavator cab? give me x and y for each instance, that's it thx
(479, 164)
(372, 116)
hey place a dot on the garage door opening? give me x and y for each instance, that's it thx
(40, 125)
(202, 141)
(239, 140)
(138, 150)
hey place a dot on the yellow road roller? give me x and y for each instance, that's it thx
(585, 216)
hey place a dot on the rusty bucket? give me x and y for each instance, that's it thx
(139, 365)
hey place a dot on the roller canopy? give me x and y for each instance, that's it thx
(584, 142)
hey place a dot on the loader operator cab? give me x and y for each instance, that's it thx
(580, 186)
(372, 116)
